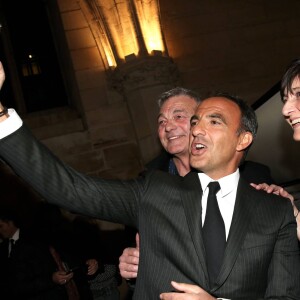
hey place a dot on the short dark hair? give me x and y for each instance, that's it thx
(178, 91)
(248, 116)
(291, 72)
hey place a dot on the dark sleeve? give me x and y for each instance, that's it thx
(254, 172)
(111, 200)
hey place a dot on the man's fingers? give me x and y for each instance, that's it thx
(128, 263)
(273, 188)
(134, 252)
(128, 267)
(186, 288)
(128, 271)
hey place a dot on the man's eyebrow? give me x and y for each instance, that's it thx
(217, 116)
(159, 115)
(179, 110)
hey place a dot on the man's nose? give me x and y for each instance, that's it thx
(170, 125)
(198, 129)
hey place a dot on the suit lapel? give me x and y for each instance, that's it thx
(5, 248)
(243, 210)
(191, 201)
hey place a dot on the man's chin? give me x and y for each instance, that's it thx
(195, 164)
(176, 151)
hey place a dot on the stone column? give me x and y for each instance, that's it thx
(141, 80)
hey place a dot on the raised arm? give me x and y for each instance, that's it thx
(58, 183)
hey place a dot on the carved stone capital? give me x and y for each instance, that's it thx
(137, 73)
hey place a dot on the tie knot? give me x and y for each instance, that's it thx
(214, 187)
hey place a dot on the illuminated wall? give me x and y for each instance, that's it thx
(126, 28)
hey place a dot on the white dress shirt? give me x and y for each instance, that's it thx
(225, 197)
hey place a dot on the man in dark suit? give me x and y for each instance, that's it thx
(176, 107)
(26, 264)
(261, 258)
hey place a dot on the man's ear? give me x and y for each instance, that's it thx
(245, 140)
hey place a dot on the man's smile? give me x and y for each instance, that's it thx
(171, 138)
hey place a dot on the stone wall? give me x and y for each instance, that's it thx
(238, 46)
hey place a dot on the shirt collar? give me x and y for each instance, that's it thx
(227, 183)
(16, 235)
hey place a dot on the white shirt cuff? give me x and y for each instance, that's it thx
(11, 124)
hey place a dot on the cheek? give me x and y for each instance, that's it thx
(186, 128)
(160, 133)
(284, 109)
(227, 148)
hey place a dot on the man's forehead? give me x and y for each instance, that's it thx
(219, 106)
(216, 103)
(202, 109)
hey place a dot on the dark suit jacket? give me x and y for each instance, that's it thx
(27, 273)
(262, 254)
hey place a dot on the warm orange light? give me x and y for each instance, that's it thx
(108, 52)
(118, 18)
(148, 14)
(119, 32)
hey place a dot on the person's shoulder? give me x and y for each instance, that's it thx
(255, 172)
(260, 195)
(248, 165)
(156, 174)
(160, 162)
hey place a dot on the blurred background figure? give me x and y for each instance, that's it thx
(26, 264)
(104, 283)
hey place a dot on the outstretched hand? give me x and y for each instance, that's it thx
(274, 189)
